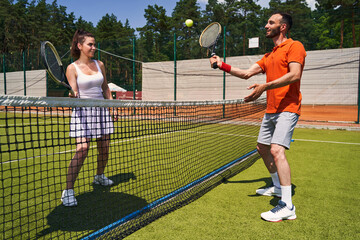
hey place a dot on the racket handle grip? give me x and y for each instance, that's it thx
(214, 66)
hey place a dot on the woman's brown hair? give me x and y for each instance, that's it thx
(79, 37)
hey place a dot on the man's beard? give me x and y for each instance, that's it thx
(273, 33)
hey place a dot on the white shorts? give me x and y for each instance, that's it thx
(278, 128)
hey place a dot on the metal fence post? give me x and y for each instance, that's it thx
(24, 69)
(4, 70)
(134, 75)
(224, 74)
(99, 52)
(175, 83)
(358, 115)
(175, 67)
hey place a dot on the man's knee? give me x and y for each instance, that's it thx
(277, 151)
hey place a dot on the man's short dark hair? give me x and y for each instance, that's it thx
(286, 18)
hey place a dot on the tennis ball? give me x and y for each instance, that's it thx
(189, 22)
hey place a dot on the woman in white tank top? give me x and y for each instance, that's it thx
(88, 80)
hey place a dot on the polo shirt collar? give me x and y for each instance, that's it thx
(282, 44)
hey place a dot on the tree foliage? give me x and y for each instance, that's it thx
(333, 24)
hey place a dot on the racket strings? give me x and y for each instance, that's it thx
(53, 63)
(210, 35)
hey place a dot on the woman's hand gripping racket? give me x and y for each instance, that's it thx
(209, 38)
(54, 66)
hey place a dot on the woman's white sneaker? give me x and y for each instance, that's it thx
(102, 180)
(68, 198)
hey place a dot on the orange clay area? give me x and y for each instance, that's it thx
(329, 113)
(334, 115)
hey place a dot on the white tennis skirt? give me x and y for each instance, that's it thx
(90, 122)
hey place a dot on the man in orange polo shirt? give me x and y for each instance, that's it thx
(283, 67)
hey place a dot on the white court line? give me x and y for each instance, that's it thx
(319, 141)
(304, 140)
(160, 134)
(223, 134)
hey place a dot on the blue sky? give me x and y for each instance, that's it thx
(133, 10)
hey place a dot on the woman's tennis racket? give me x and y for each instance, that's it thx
(53, 64)
(209, 38)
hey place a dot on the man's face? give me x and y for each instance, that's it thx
(273, 26)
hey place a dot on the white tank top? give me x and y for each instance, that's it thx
(89, 86)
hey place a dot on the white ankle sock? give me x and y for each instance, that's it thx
(286, 196)
(275, 179)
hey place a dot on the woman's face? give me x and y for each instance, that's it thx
(88, 47)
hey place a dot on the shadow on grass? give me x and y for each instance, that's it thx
(95, 209)
(267, 183)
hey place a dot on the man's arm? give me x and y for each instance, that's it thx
(294, 75)
(244, 74)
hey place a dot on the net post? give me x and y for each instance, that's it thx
(24, 70)
(224, 74)
(4, 70)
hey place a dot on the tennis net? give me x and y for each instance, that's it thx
(162, 155)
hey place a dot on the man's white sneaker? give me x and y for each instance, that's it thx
(102, 180)
(270, 191)
(68, 198)
(279, 213)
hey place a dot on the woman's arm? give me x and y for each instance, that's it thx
(71, 77)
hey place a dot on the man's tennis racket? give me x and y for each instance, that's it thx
(209, 38)
(53, 64)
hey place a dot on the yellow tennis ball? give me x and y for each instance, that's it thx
(189, 22)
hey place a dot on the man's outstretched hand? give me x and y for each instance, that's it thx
(256, 93)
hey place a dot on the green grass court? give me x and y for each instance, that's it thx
(325, 177)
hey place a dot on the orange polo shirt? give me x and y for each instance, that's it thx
(276, 64)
